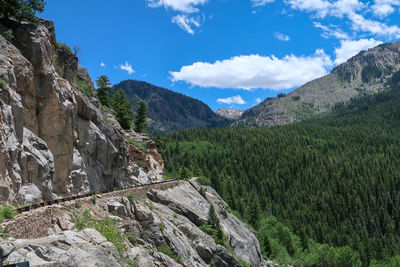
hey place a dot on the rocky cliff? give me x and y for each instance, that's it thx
(163, 230)
(55, 141)
(366, 73)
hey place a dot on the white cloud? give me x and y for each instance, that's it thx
(186, 23)
(255, 71)
(347, 9)
(349, 48)
(232, 100)
(127, 67)
(102, 65)
(281, 36)
(258, 100)
(383, 8)
(323, 8)
(257, 3)
(359, 23)
(186, 6)
(331, 30)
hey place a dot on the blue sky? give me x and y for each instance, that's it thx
(227, 53)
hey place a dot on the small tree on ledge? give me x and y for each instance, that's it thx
(141, 118)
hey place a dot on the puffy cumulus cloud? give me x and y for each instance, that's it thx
(127, 67)
(232, 100)
(257, 3)
(322, 8)
(281, 36)
(187, 23)
(102, 64)
(349, 48)
(254, 71)
(186, 6)
(258, 100)
(359, 23)
(331, 31)
(383, 8)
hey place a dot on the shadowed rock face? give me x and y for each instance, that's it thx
(170, 111)
(368, 72)
(53, 139)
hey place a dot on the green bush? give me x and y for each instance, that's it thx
(78, 204)
(202, 180)
(9, 36)
(203, 191)
(64, 47)
(85, 88)
(161, 226)
(107, 227)
(130, 197)
(7, 212)
(132, 238)
(296, 98)
(168, 251)
(3, 84)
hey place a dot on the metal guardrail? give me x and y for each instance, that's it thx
(61, 200)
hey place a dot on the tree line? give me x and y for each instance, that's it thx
(333, 180)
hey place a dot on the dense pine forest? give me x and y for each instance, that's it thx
(324, 192)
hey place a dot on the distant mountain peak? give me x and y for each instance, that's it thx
(366, 73)
(231, 114)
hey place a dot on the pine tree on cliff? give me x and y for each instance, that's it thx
(122, 108)
(213, 217)
(141, 118)
(21, 10)
(104, 90)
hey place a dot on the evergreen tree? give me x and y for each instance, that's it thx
(21, 9)
(122, 108)
(213, 218)
(141, 117)
(104, 90)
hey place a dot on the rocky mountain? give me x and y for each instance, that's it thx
(170, 111)
(54, 141)
(161, 230)
(231, 114)
(365, 73)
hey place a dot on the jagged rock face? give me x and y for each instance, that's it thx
(228, 113)
(186, 200)
(367, 72)
(163, 223)
(54, 140)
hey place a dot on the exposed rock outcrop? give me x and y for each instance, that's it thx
(166, 224)
(54, 141)
(228, 113)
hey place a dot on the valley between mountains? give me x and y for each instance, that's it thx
(308, 178)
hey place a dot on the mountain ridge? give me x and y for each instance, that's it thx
(168, 110)
(365, 73)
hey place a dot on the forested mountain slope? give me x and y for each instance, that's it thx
(169, 111)
(366, 72)
(333, 179)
